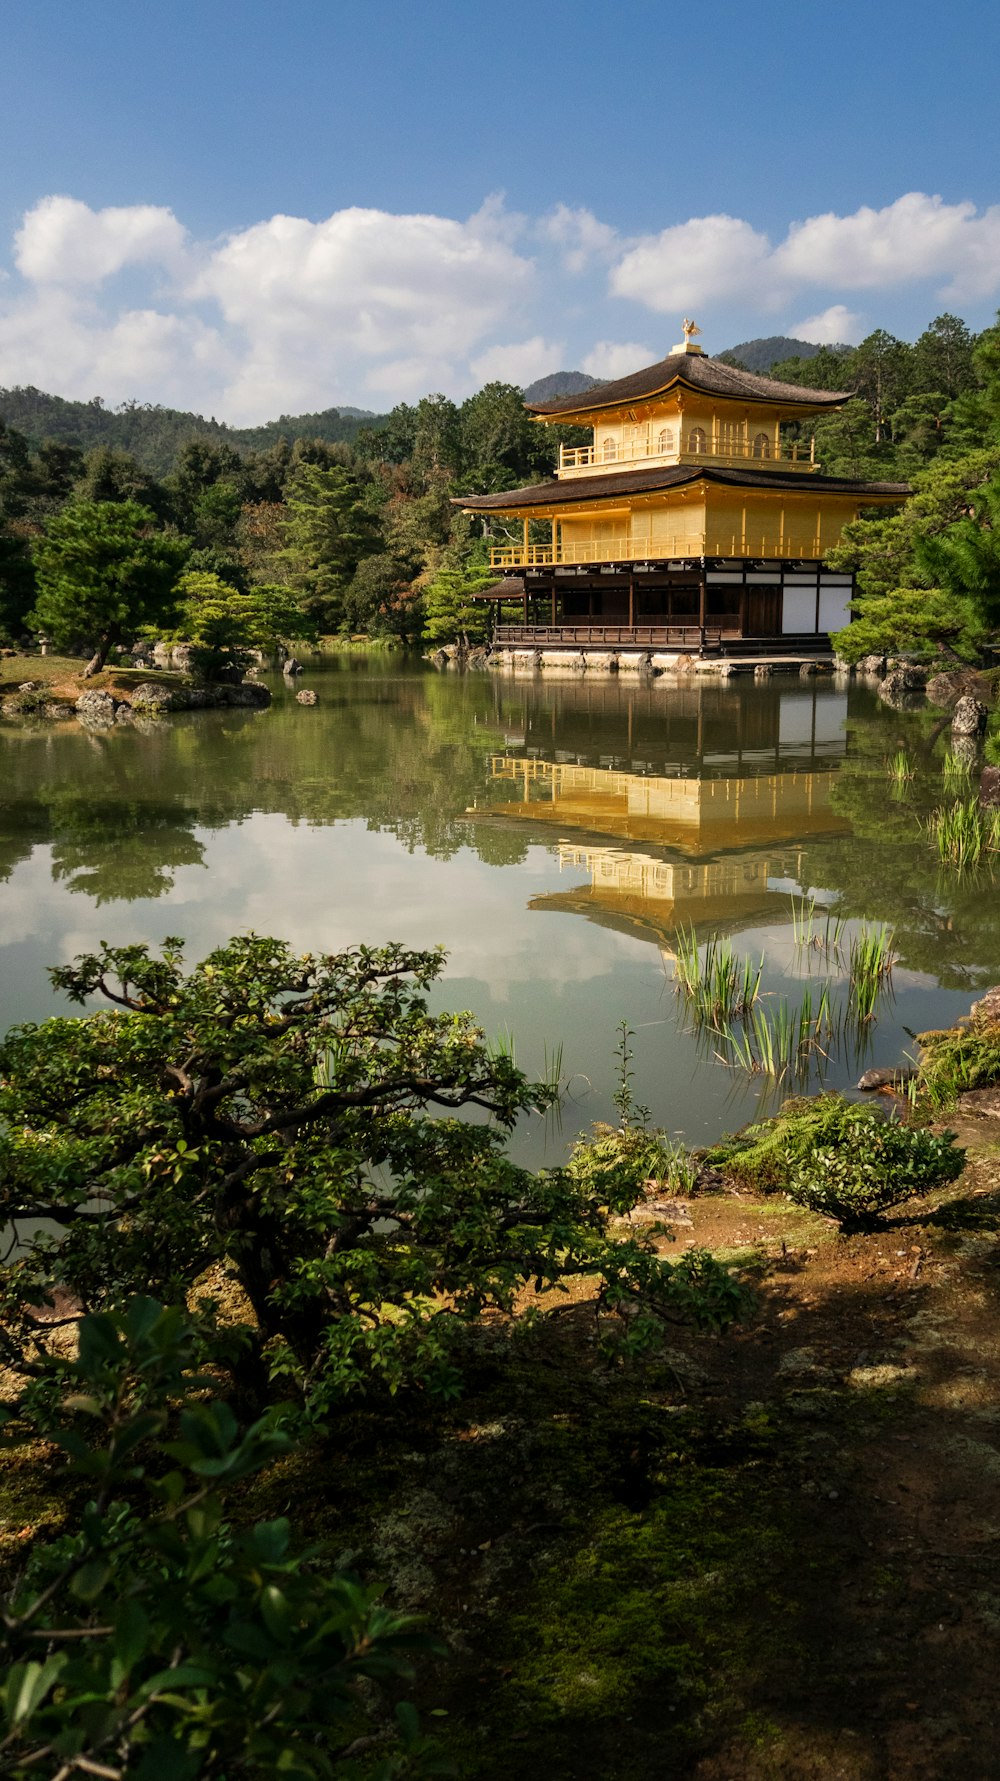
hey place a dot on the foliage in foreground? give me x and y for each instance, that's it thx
(153, 1640)
(958, 1059)
(838, 1158)
(289, 1123)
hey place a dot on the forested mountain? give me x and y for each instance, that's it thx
(559, 383)
(763, 354)
(155, 435)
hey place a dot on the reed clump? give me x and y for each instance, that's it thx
(964, 834)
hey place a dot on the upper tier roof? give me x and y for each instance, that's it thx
(635, 482)
(696, 371)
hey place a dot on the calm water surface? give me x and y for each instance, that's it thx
(553, 835)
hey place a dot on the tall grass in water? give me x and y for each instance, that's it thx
(871, 962)
(817, 928)
(900, 767)
(778, 1041)
(963, 833)
(956, 773)
(718, 984)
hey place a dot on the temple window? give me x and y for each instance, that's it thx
(761, 445)
(665, 439)
(696, 439)
(609, 450)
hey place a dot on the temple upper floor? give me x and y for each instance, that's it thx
(688, 409)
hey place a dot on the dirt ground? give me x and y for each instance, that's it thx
(771, 1553)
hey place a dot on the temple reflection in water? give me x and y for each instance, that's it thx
(716, 839)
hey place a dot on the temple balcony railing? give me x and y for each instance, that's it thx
(773, 546)
(578, 460)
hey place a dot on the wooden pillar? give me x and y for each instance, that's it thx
(702, 602)
(525, 552)
(526, 602)
(631, 597)
(553, 603)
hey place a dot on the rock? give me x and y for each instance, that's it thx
(763, 671)
(807, 670)
(476, 657)
(840, 666)
(291, 667)
(871, 666)
(989, 788)
(969, 717)
(873, 1079)
(152, 695)
(124, 715)
(683, 664)
(307, 697)
(946, 688)
(29, 686)
(901, 681)
(96, 708)
(983, 1101)
(986, 1012)
(55, 708)
(247, 696)
(966, 748)
(438, 658)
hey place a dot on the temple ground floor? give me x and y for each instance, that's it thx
(722, 609)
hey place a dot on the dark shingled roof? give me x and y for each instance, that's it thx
(697, 372)
(637, 482)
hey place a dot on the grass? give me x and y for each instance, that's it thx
(816, 928)
(900, 767)
(720, 986)
(963, 833)
(955, 773)
(62, 676)
(871, 961)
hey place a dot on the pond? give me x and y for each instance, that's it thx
(559, 837)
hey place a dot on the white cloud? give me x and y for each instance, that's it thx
(700, 261)
(311, 299)
(365, 306)
(520, 362)
(830, 327)
(614, 358)
(916, 237)
(580, 235)
(62, 241)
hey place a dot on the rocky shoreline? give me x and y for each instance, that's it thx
(99, 709)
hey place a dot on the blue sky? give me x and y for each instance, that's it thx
(252, 209)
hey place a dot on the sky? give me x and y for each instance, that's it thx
(251, 210)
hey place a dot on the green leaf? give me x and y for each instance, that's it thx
(28, 1684)
(91, 1579)
(131, 1633)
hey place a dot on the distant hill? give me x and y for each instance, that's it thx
(559, 383)
(154, 435)
(760, 355)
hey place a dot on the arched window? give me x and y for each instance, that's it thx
(665, 439)
(609, 450)
(696, 439)
(761, 445)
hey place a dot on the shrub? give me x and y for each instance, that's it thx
(151, 1639)
(615, 1165)
(958, 1059)
(839, 1158)
(874, 1164)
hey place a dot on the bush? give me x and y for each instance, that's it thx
(839, 1158)
(958, 1059)
(874, 1164)
(615, 1165)
(152, 1639)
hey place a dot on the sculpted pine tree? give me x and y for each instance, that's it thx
(102, 572)
(305, 1128)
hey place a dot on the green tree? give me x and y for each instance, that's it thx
(327, 532)
(881, 372)
(152, 1639)
(451, 614)
(225, 624)
(943, 357)
(103, 571)
(289, 1122)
